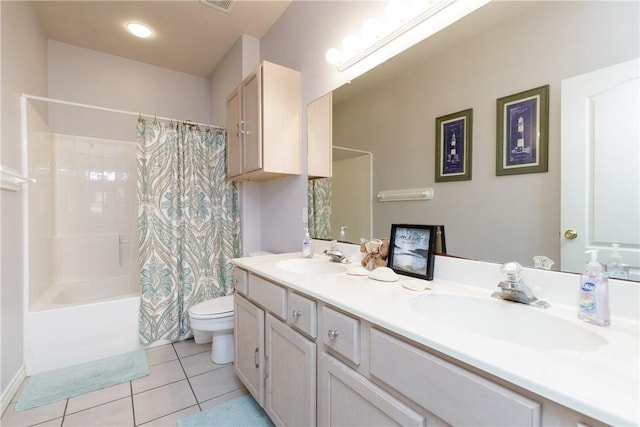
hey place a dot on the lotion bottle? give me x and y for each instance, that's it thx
(615, 268)
(307, 250)
(594, 293)
(342, 236)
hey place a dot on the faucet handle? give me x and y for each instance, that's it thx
(512, 271)
(333, 245)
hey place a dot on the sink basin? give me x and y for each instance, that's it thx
(311, 266)
(507, 321)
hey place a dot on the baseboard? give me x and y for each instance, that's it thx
(13, 387)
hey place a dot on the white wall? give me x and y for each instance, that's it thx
(85, 76)
(24, 67)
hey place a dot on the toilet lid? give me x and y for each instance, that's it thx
(213, 306)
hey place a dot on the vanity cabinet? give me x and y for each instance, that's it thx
(249, 347)
(443, 388)
(346, 398)
(275, 356)
(263, 125)
(308, 362)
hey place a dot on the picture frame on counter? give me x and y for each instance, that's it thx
(453, 146)
(522, 129)
(412, 250)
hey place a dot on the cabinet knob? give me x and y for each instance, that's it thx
(333, 334)
(296, 314)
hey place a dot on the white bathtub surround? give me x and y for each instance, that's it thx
(598, 377)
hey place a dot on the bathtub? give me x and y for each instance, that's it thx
(75, 323)
(85, 292)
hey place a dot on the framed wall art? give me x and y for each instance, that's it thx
(522, 132)
(412, 250)
(453, 146)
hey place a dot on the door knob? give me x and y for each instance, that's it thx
(571, 234)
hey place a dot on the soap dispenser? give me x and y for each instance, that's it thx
(615, 268)
(307, 250)
(342, 236)
(594, 293)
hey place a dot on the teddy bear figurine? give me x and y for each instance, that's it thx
(376, 251)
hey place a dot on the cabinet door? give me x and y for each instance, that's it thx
(320, 137)
(346, 398)
(234, 134)
(249, 347)
(291, 375)
(252, 122)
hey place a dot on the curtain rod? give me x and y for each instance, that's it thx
(113, 110)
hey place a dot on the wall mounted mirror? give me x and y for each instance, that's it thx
(501, 49)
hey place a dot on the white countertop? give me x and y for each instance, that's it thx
(601, 381)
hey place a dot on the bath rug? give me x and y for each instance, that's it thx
(59, 384)
(241, 411)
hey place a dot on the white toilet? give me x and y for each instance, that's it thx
(212, 321)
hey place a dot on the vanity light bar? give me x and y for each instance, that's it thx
(435, 7)
(406, 194)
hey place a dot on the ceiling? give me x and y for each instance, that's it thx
(189, 36)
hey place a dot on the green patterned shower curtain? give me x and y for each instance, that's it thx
(188, 223)
(319, 207)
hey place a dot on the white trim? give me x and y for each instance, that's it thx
(13, 387)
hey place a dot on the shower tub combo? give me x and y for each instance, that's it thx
(82, 299)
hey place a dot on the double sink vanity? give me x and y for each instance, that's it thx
(317, 346)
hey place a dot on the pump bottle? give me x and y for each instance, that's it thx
(342, 236)
(594, 293)
(615, 268)
(307, 250)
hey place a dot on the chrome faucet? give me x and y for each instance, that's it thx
(336, 254)
(514, 289)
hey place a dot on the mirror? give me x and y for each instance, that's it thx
(351, 194)
(501, 49)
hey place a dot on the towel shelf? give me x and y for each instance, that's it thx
(12, 179)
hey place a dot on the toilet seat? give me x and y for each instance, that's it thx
(213, 309)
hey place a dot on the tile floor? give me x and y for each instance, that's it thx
(182, 380)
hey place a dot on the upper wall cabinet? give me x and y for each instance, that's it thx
(263, 125)
(319, 137)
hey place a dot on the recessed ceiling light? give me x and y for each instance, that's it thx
(139, 30)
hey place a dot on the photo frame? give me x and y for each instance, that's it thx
(412, 250)
(522, 129)
(453, 146)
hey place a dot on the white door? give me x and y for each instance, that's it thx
(600, 154)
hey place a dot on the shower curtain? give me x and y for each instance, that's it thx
(188, 222)
(319, 207)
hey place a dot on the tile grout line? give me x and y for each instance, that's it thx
(64, 413)
(133, 407)
(188, 381)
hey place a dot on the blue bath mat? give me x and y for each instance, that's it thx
(60, 384)
(241, 411)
